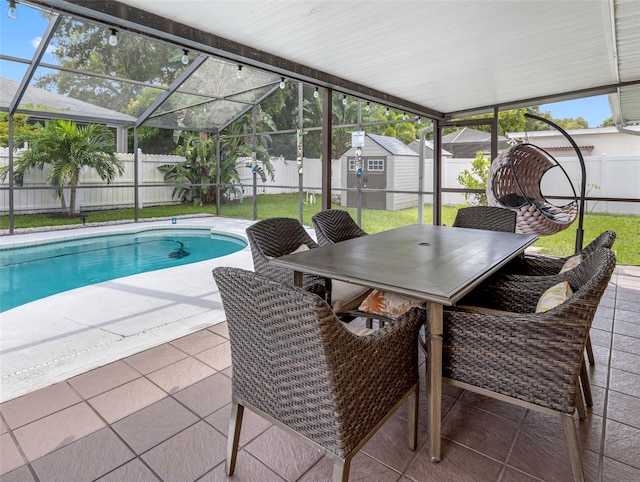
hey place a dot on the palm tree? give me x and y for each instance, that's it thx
(195, 177)
(67, 148)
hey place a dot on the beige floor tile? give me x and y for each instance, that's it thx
(103, 379)
(283, 453)
(38, 404)
(10, 457)
(206, 396)
(85, 459)
(198, 341)
(57, 430)
(180, 375)
(154, 424)
(151, 360)
(189, 454)
(126, 399)
(218, 357)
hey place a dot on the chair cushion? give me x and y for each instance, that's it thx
(554, 296)
(388, 304)
(347, 296)
(571, 263)
(299, 249)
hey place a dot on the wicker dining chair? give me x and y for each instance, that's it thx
(530, 359)
(334, 225)
(486, 217)
(537, 265)
(297, 365)
(274, 237)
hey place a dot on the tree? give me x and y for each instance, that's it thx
(342, 114)
(608, 122)
(82, 46)
(476, 178)
(67, 148)
(196, 176)
(21, 126)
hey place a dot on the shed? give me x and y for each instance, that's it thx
(387, 164)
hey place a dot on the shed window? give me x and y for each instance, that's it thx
(352, 164)
(375, 165)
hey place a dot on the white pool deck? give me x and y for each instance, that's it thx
(63, 335)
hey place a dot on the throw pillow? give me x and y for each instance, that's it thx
(388, 304)
(571, 263)
(299, 249)
(554, 296)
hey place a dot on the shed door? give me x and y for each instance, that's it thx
(374, 176)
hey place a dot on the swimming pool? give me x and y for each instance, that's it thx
(33, 272)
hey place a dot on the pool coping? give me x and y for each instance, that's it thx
(63, 335)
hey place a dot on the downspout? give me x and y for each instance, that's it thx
(621, 129)
(422, 136)
(437, 174)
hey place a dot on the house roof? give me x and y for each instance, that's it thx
(470, 136)
(392, 145)
(415, 145)
(36, 101)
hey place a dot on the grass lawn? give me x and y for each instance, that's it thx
(627, 245)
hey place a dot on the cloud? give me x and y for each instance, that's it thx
(35, 42)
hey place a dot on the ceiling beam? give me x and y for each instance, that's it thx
(122, 16)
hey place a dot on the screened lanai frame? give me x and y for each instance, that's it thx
(129, 19)
(191, 102)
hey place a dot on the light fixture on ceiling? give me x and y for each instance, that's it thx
(282, 84)
(185, 56)
(239, 74)
(113, 38)
(344, 100)
(386, 112)
(316, 93)
(367, 107)
(12, 13)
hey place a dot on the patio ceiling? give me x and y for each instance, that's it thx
(437, 58)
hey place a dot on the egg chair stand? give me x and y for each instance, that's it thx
(514, 182)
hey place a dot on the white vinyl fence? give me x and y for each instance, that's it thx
(607, 176)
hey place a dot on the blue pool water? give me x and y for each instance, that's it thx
(31, 273)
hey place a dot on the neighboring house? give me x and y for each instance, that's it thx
(428, 149)
(35, 100)
(601, 141)
(466, 142)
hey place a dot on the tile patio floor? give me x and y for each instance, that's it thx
(162, 414)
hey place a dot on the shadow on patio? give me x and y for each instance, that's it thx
(162, 414)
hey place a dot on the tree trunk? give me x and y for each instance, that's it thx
(63, 204)
(72, 195)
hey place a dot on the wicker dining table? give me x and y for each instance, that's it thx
(437, 264)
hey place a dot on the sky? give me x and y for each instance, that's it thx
(21, 37)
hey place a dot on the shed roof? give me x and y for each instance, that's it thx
(394, 146)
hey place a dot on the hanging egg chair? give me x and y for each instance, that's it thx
(514, 183)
